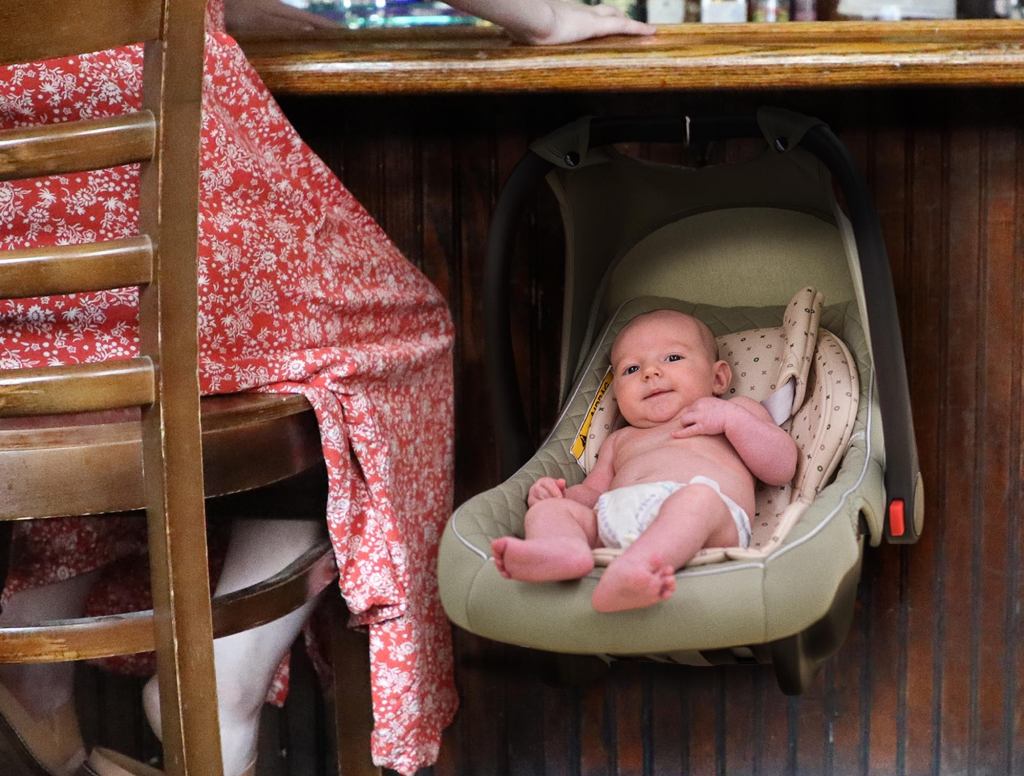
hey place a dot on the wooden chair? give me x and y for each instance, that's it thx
(129, 435)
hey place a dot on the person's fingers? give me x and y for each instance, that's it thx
(687, 431)
(628, 26)
(601, 25)
(543, 490)
(620, 24)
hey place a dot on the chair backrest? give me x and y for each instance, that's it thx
(162, 380)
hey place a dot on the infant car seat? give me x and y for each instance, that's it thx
(728, 244)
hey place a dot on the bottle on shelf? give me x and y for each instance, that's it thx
(803, 10)
(723, 11)
(769, 10)
(666, 11)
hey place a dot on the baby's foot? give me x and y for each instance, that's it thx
(541, 560)
(630, 583)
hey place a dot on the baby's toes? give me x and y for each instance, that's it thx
(498, 550)
(668, 582)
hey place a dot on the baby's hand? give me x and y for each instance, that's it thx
(705, 417)
(545, 487)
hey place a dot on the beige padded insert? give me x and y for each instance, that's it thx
(824, 407)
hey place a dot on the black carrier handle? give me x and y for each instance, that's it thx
(903, 483)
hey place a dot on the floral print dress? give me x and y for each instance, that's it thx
(300, 292)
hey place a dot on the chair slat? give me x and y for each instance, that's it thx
(76, 145)
(123, 634)
(68, 269)
(78, 388)
(111, 23)
(90, 463)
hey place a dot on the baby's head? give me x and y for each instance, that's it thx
(662, 362)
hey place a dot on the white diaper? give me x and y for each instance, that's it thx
(625, 513)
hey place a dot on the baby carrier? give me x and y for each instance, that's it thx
(799, 295)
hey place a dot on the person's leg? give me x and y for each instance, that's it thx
(37, 700)
(690, 519)
(246, 662)
(560, 534)
(42, 688)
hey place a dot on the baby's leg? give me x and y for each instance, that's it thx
(692, 518)
(560, 533)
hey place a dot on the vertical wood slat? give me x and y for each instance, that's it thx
(1001, 373)
(112, 23)
(172, 450)
(703, 715)
(1014, 662)
(898, 695)
(959, 465)
(91, 144)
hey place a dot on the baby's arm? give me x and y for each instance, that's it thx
(600, 477)
(586, 492)
(768, 451)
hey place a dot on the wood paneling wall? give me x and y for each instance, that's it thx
(931, 678)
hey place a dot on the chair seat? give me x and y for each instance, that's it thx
(92, 462)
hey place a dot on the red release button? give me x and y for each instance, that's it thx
(896, 523)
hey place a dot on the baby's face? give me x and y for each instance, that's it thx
(662, 365)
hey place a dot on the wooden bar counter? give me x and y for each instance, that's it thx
(424, 128)
(692, 57)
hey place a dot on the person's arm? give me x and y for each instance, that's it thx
(586, 492)
(545, 22)
(600, 477)
(768, 451)
(270, 16)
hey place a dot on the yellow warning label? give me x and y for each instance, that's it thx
(581, 436)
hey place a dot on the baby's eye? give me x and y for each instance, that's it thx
(674, 357)
(630, 369)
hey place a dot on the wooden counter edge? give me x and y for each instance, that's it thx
(680, 57)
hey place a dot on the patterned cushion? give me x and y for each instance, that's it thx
(763, 360)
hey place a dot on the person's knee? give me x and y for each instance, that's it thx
(544, 511)
(702, 502)
(549, 510)
(706, 504)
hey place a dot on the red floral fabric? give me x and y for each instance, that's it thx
(300, 291)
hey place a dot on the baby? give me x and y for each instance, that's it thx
(678, 478)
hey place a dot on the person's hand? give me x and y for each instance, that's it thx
(705, 417)
(545, 487)
(544, 22)
(570, 21)
(270, 16)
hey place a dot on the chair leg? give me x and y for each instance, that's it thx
(184, 649)
(183, 630)
(353, 709)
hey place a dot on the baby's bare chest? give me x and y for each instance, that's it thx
(647, 455)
